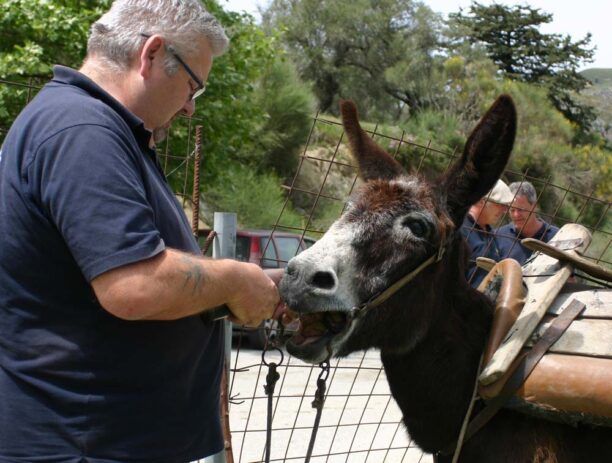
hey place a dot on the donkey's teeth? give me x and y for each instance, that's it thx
(315, 326)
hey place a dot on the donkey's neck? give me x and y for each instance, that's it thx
(433, 383)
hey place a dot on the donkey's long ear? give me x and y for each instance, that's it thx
(373, 161)
(484, 158)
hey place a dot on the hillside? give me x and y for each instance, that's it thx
(599, 76)
(599, 95)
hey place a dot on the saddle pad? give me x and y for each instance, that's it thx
(544, 277)
(564, 388)
(573, 381)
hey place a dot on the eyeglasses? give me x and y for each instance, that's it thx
(201, 88)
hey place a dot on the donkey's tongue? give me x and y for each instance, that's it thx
(311, 329)
(316, 325)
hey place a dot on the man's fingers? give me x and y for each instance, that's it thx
(280, 310)
(275, 274)
(256, 297)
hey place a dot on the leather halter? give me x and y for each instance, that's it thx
(379, 298)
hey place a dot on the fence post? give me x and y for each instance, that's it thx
(224, 246)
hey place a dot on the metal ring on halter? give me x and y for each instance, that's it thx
(268, 349)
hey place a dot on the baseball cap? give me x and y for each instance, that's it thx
(500, 194)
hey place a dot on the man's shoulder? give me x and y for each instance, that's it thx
(73, 106)
(58, 112)
(505, 237)
(549, 231)
(468, 225)
(507, 229)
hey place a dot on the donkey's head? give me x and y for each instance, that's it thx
(391, 225)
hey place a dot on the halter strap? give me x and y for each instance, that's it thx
(381, 297)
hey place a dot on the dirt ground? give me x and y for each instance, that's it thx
(360, 422)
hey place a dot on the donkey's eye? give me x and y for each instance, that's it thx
(417, 227)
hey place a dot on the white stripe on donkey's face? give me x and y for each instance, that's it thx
(319, 282)
(364, 252)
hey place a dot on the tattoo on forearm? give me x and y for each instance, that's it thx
(194, 275)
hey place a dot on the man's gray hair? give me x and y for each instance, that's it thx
(117, 36)
(526, 189)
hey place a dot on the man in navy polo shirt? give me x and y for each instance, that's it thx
(478, 232)
(525, 224)
(103, 354)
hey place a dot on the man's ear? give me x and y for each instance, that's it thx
(373, 161)
(484, 158)
(151, 50)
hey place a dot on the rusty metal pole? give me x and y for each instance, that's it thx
(195, 195)
(224, 246)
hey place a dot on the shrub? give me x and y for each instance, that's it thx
(256, 198)
(288, 105)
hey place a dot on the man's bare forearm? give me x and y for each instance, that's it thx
(168, 286)
(194, 275)
(174, 285)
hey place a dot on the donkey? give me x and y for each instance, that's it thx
(432, 331)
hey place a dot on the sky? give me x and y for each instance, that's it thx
(572, 17)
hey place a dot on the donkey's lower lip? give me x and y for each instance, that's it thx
(316, 331)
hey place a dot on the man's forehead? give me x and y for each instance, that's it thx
(522, 199)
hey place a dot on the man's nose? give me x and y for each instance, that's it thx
(188, 108)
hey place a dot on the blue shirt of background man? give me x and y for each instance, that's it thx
(481, 243)
(81, 193)
(509, 244)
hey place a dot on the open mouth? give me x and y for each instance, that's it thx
(316, 331)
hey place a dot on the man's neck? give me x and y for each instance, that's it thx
(530, 228)
(117, 84)
(478, 217)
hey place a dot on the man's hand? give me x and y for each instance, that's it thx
(254, 297)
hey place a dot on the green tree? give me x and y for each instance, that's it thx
(512, 38)
(288, 105)
(380, 53)
(36, 34)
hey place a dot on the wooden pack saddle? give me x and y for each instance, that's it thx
(572, 381)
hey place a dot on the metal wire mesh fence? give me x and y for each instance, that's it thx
(360, 420)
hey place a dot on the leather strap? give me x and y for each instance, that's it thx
(317, 403)
(271, 378)
(379, 298)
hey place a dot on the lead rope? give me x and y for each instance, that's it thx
(319, 400)
(271, 379)
(468, 415)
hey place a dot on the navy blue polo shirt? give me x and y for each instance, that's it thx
(481, 244)
(509, 239)
(81, 193)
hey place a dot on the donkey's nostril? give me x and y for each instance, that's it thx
(323, 280)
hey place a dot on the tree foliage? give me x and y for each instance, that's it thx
(254, 196)
(387, 55)
(379, 52)
(288, 105)
(241, 129)
(34, 36)
(512, 38)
